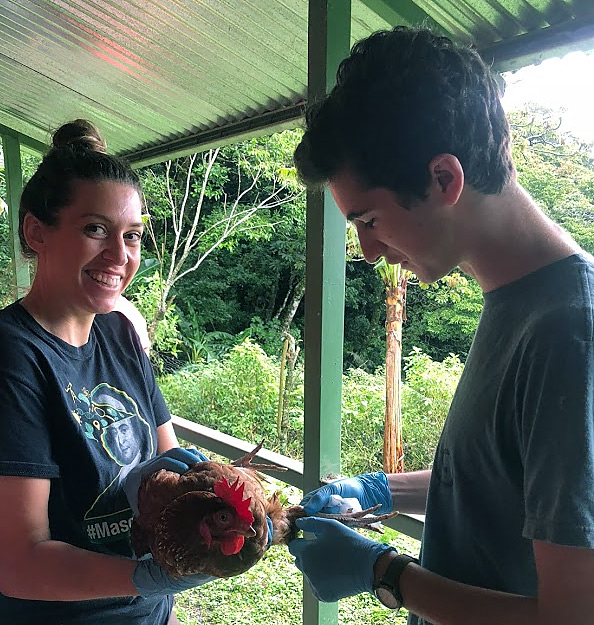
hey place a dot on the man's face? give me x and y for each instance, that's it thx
(123, 441)
(420, 238)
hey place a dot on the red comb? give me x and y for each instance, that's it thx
(233, 495)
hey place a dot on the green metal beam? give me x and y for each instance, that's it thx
(266, 123)
(329, 28)
(408, 11)
(25, 141)
(538, 45)
(14, 186)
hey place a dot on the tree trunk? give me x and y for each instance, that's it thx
(286, 383)
(291, 309)
(395, 303)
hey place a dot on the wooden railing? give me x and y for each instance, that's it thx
(232, 448)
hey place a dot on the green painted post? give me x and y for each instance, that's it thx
(329, 25)
(14, 186)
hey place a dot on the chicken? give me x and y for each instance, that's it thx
(212, 519)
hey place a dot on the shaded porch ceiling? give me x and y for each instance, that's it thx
(162, 78)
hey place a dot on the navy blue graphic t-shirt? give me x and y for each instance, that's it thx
(81, 417)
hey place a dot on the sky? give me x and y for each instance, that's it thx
(566, 83)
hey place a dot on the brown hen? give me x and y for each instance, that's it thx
(212, 519)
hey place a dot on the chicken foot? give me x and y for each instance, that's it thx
(363, 519)
(245, 461)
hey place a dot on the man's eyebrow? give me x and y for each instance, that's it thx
(356, 215)
(138, 224)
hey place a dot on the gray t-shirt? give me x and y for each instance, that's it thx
(515, 461)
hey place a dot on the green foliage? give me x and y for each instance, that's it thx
(443, 316)
(200, 345)
(237, 395)
(239, 280)
(145, 294)
(363, 404)
(29, 164)
(557, 170)
(271, 593)
(426, 399)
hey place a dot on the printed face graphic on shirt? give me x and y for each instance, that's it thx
(121, 439)
(111, 417)
(110, 420)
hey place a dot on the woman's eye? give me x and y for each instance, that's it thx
(369, 224)
(133, 237)
(96, 230)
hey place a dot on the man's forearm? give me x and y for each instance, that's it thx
(57, 571)
(409, 491)
(444, 602)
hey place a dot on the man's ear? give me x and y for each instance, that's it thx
(447, 178)
(33, 231)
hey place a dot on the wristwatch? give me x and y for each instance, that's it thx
(387, 590)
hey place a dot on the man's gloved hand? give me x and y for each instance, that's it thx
(338, 562)
(369, 488)
(150, 579)
(176, 459)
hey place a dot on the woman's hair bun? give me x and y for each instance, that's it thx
(79, 134)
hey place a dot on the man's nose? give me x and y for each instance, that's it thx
(372, 249)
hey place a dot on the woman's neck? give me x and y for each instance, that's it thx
(72, 327)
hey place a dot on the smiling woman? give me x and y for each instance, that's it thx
(82, 411)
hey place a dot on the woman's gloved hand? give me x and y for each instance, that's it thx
(369, 488)
(338, 562)
(150, 579)
(176, 459)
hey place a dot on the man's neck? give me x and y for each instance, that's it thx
(507, 236)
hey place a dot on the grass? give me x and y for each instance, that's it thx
(270, 593)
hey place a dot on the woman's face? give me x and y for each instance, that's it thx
(88, 259)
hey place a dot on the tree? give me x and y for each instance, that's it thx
(557, 170)
(29, 164)
(200, 204)
(395, 279)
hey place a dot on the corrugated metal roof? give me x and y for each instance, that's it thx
(160, 76)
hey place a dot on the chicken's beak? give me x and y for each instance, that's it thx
(248, 532)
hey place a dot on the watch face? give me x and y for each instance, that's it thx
(386, 596)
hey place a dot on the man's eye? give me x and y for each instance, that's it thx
(95, 230)
(369, 224)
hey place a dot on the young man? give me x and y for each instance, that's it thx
(415, 147)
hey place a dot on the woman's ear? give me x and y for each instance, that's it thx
(447, 178)
(33, 231)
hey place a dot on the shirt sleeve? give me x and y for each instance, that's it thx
(557, 433)
(25, 439)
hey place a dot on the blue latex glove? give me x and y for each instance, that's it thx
(150, 579)
(338, 562)
(176, 459)
(369, 488)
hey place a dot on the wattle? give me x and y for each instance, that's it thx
(231, 546)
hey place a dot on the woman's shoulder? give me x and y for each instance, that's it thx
(15, 322)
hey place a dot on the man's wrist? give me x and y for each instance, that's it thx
(382, 563)
(387, 572)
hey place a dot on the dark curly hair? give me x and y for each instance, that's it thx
(78, 152)
(402, 97)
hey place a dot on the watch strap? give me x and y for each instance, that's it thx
(391, 577)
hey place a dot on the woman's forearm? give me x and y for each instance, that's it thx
(56, 571)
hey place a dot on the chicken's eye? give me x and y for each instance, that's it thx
(223, 518)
